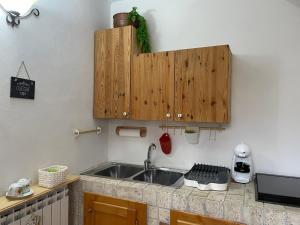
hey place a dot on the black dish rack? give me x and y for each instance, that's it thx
(207, 174)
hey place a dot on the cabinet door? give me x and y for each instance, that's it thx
(202, 84)
(152, 86)
(181, 218)
(103, 210)
(113, 48)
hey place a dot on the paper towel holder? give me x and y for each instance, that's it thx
(143, 130)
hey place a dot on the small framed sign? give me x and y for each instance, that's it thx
(22, 88)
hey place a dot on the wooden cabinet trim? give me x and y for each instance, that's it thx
(111, 209)
(182, 222)
(183, 218)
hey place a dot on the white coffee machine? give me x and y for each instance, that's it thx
(242, 170)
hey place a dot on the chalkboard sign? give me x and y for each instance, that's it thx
(22, 88)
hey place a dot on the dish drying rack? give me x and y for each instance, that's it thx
(207, 177)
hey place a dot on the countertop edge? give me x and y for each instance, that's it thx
(6, 205)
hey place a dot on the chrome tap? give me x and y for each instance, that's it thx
(147, 162)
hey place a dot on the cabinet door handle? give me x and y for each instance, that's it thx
(168, 115)
(179, 115)
(125, 114)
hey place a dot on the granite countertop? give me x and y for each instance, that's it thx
(237, 203)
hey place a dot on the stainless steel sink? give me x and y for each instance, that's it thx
(116, 170)
(161, 176)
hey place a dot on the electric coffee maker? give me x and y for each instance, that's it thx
(242, 165)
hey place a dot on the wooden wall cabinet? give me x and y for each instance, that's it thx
(191, 85)
(152, 86)
(182, 218)
(103, 210)
(113, 51)
(202, 84)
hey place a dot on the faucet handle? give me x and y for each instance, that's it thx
(152, 146)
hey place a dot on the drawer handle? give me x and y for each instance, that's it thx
(179, 115)
(125, 114)
(168, 115)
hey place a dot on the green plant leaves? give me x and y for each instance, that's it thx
(141, 30)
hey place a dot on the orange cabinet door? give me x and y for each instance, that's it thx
(152, 86)
(103, 210)
(113, 50)
(202, 84)
(181, 218)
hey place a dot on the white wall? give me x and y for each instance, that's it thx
(264, 38)
(58, 50)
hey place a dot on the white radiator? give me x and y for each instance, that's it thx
(52, 209)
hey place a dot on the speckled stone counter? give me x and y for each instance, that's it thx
(237, 204)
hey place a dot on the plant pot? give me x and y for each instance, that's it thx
(192, 138)
(121, 20)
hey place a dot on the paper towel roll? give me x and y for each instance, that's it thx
(131, 131)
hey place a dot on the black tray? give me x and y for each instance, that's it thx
(282, 190)
(205, 174)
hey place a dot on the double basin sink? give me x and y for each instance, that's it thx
(162, 176)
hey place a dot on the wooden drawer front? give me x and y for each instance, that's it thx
(181, 218)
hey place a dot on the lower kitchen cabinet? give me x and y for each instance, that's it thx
(181, 218)
(103, 210)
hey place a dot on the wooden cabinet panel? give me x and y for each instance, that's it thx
(103, 210)
(202, 84)
(152, 86)
(113, 50)
(190, 85)
(181, 218)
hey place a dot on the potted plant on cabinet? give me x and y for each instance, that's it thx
(139, 22)
(142, 34)
(121, 19)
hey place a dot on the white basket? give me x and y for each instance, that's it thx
(52, 179)
(192, 138)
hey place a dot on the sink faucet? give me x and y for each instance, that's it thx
(147, 162)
